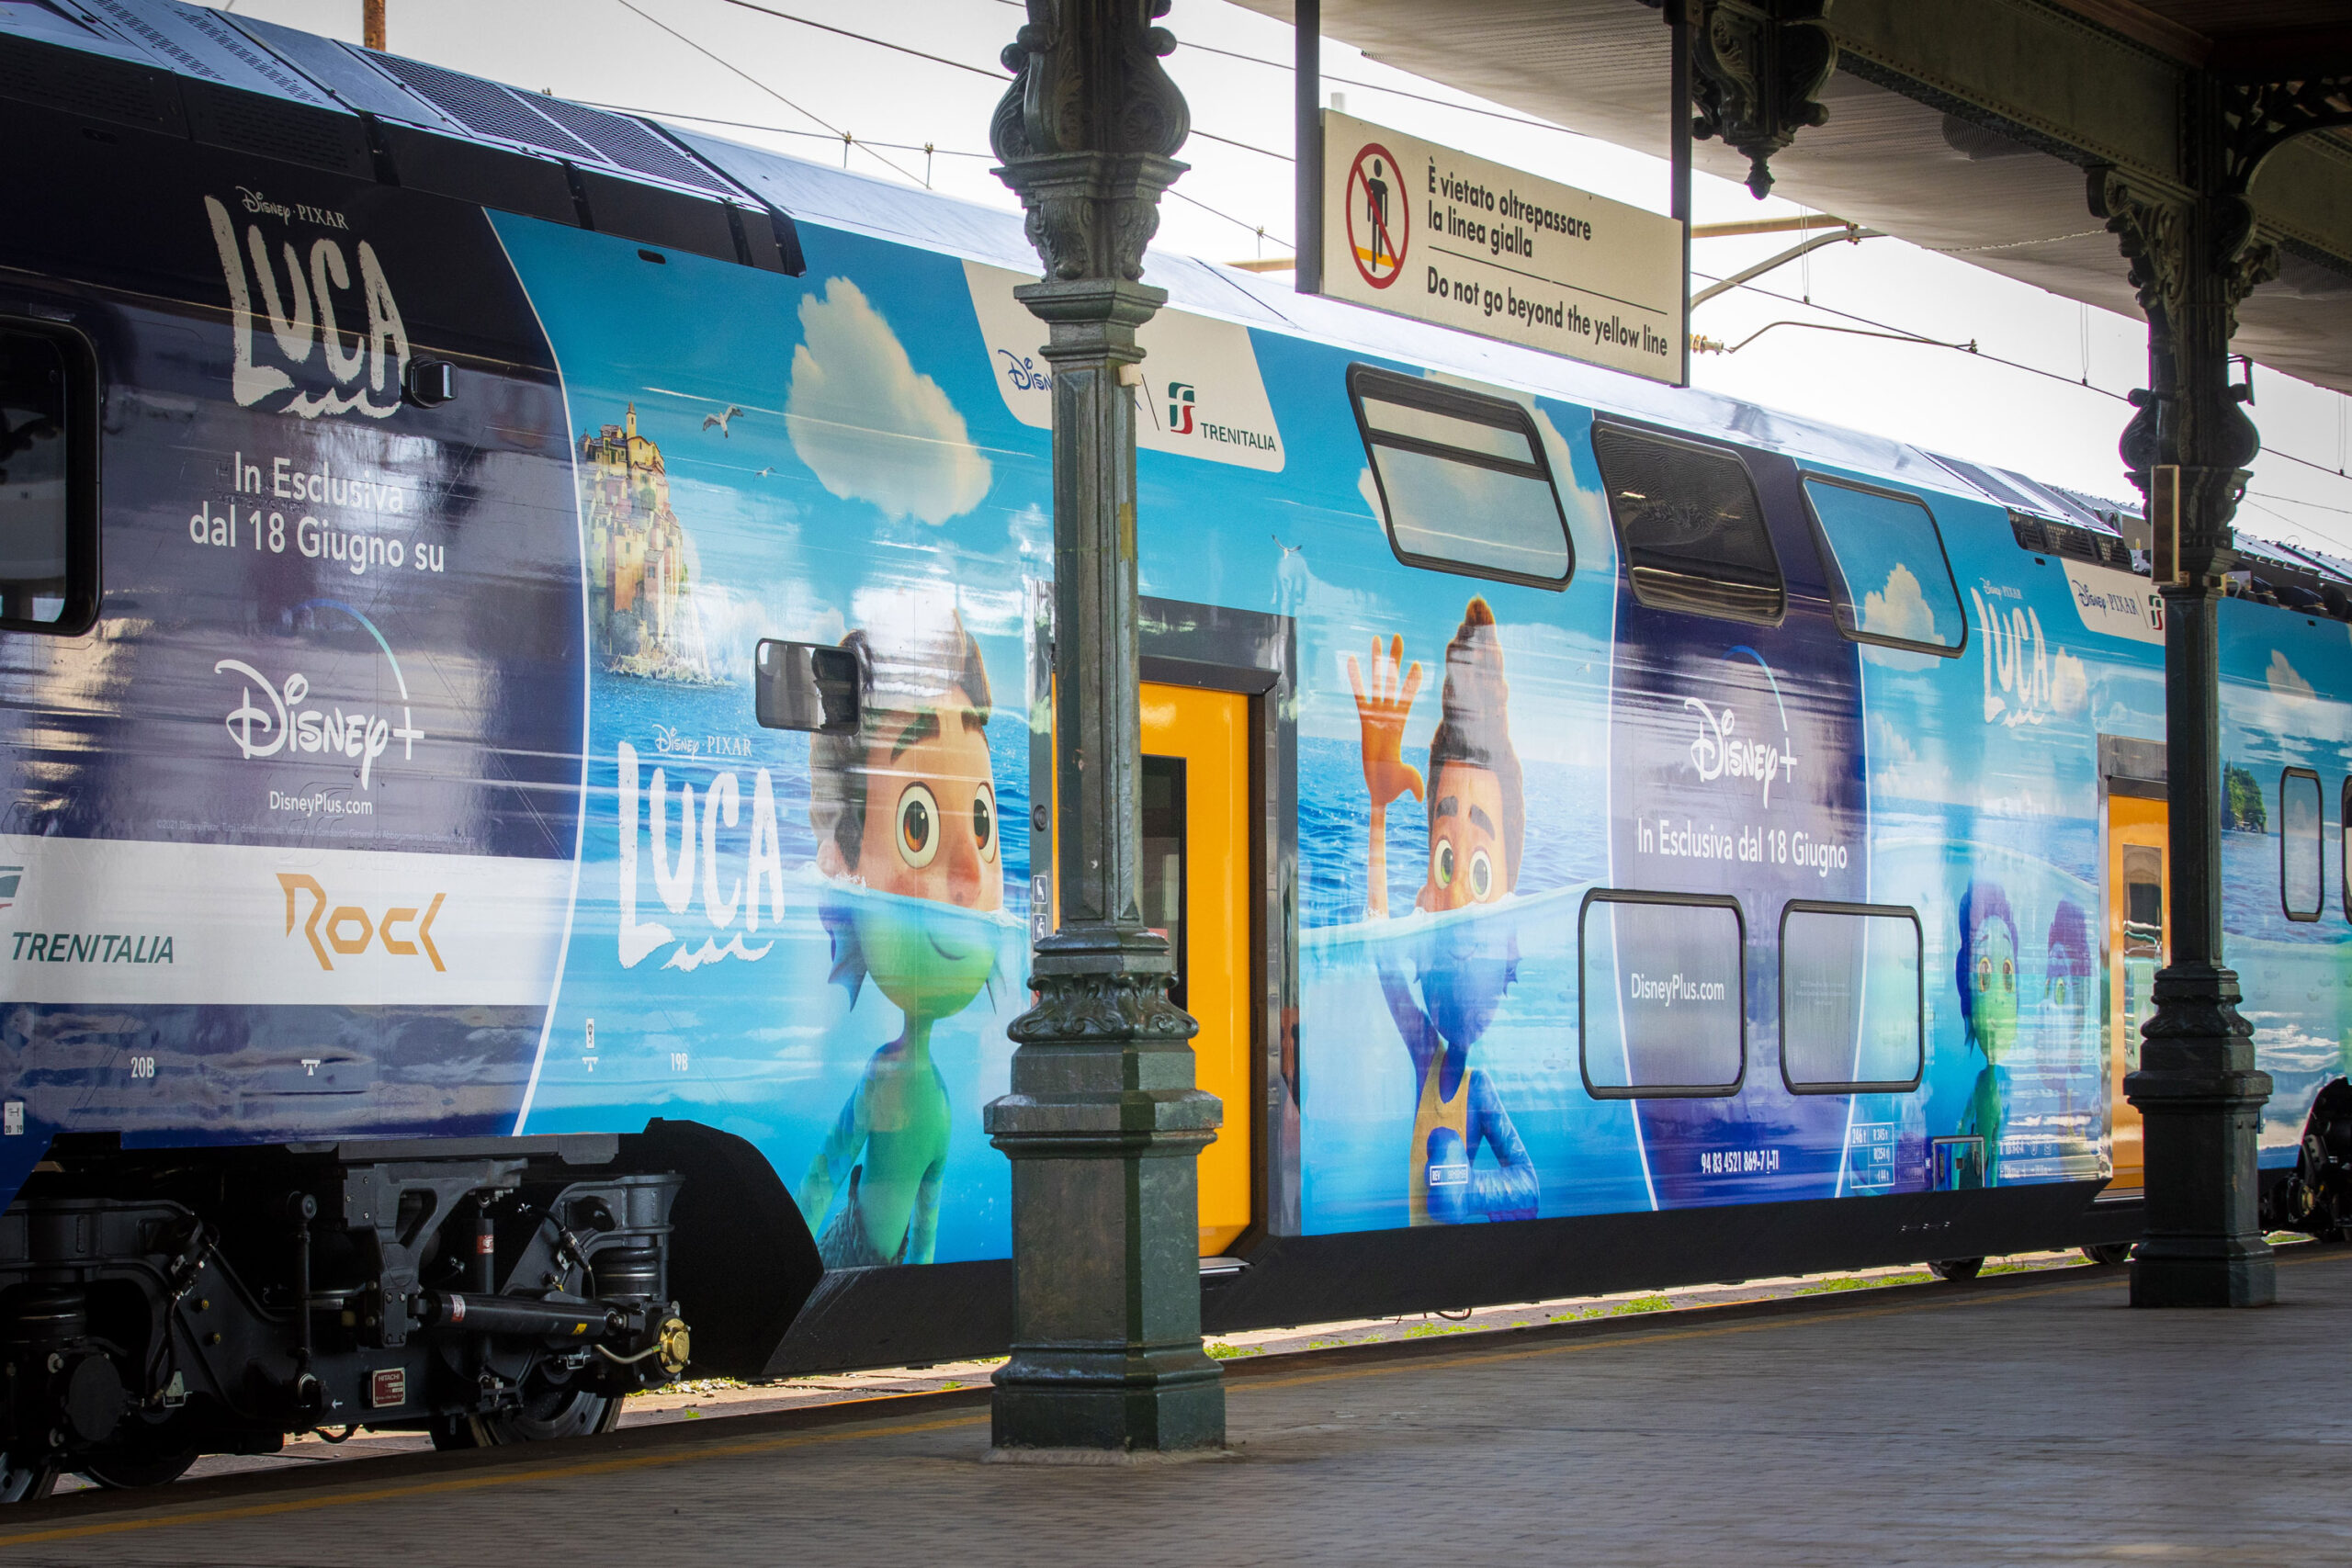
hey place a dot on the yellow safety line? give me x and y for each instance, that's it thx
(500, 1477)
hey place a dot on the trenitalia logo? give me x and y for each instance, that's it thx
(347, 929)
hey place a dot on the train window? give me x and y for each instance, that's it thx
(48, 481)
(1662, 1011)
(2301, 840)
(1853, 1006)
(1690, 527)
(1884, 560)
(1464, 483)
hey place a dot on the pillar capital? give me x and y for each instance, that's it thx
(1089, 132)
(1757, 67)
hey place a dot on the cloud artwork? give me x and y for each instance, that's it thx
(2284, 677)
(1899, 610)
(868, 425)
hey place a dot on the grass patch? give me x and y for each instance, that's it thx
(1325, 1344)
(1235, 1352)
(1427, 1330)
(1641, 1304)
(1844, 1283)
(1573, 1316)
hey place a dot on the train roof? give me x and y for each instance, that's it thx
(255, 86)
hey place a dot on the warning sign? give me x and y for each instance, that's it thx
(1423, 230)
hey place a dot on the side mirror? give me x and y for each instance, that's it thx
(801, 685)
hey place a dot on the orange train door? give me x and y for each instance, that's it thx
(1196, 890)
(2138, 934)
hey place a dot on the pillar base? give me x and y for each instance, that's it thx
(1103, 1126)
(2199, 1097)
(2178, 1272)
(1056, 1403)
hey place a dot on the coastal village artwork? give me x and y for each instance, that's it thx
(642, 565)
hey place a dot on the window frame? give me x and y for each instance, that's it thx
(2343, 866)
(2319, 841)
(1584, 1037)
(1780, 986)
(1712, 449)
(83, 588)
(1472, 408)
(1835, 569)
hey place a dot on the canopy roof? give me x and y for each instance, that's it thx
(1963, 125)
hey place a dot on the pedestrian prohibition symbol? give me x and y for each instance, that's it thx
(1380, 216)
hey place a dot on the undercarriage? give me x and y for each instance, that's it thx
(158, 1305)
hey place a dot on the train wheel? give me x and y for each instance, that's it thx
(120, 1473)
(550, 1410)
(1956, 1269)
(2108, 1253)
(21, 1482)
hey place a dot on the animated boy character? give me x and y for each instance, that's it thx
(2068, 982)
(1477, 824)
(905, 806)
(1987, 971)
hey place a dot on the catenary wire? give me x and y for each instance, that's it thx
(895, 146)
(997, 76)
(763, 86)
(1881, 329)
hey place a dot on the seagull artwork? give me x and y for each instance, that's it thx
(720, 419)
(765, 473)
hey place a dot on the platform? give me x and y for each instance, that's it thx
(2027, 1419)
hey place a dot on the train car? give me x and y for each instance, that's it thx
(524, 639)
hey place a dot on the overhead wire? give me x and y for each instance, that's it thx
(1877, 328)
(996, 74)
(847, 140)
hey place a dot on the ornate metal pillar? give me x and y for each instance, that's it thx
(1104, 1123)
(2198, 1090)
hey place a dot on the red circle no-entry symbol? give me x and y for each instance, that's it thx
(1380, 216)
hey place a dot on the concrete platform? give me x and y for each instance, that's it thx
(2032, 1418)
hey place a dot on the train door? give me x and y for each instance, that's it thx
(2139, 934)
(1196, 890)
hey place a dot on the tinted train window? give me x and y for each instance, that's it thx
(1851, 1003)
(2344, 843)
(1463, 479)
(2301, 842)
(1886, 568)
(1689, 526)
(48, 482)
(1662, 1011)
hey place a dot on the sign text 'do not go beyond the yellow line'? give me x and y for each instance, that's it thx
(1419, 229)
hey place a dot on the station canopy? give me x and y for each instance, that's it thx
(1966, 127)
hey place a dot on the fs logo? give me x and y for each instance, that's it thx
(1180, 399)
(11, 878)
(348, 928)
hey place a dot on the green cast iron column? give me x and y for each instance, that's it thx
(1104, 1125)
(2197, 1090)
